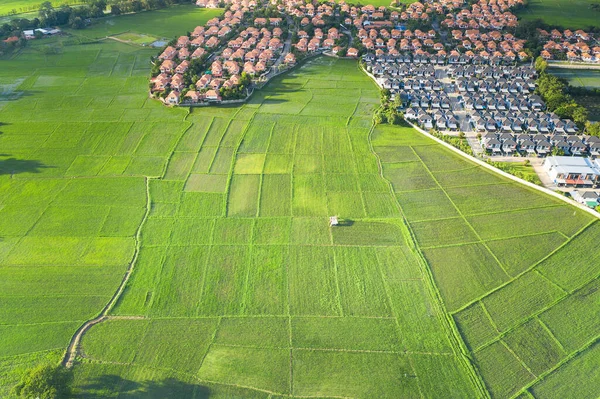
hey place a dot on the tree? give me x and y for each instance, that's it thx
(541, 65)
(592, 128)
(77, 23)
(557, 151)
(580, 116)
(115, 9)
(46, 10)
(46, 381)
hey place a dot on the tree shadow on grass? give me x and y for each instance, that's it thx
(12, 166)
(16, 95)
(168, 388)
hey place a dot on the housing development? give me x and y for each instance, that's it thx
(299, 199)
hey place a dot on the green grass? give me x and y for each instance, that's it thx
(165, 23)
(534, 345)
(527, 295)
(579, 77)
(513, 375)
(25, 6)
(566, 379)
(463, 273)
(574, 15)
(240, 287)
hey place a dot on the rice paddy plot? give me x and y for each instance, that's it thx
(327, 373)
(564, 219)
(463, 273)
(168, 23)
(534, 345)
(475, 325)
(573, 321)
(577, 14)
(514, 375)
(567, 267)
(523, 297)
(376, 334)
(567, 379)
(443, 232)
(520, 253)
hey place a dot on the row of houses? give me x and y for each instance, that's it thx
(540, 144)
(500, 102)
(496, 72)
(441, 119)
(574, 46)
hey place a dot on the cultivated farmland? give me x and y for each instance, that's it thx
(240, 288)
(507, 262)
(579, 77)
(577, 14)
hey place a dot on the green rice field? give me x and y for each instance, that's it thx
(141, 28)
(442, 279)
(24, 6)
(570, 14)
(579, 77)
(583, 78)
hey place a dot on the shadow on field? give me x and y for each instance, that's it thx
(16, 95)
(13, 166)
(104, 385)
(345, 222)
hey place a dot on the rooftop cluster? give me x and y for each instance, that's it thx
(255, 40)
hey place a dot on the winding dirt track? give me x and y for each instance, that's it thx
(71, 352)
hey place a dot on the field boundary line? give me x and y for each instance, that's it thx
(197, 152)
(526, 367)
(234, 159)
(456, 341)
(375, 351)
(551, 334)
(218, 146)
(262, 172)
(460, 213)
(558, 365)
(249, 263)
(534, 315)
(174, 149)
(489, 316)
(17, 356)
(338, 292)
(75, 342)
(211, 343)
(463, 307)
(507, 175)
(204, 273)
(551, 282)
(487, 240)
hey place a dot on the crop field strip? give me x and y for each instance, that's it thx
(576, 14)
(51, 237)
(562, 235)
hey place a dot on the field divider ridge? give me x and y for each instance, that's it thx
(456, 341)
(75, 342)
(504, 284)
(505, 174)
